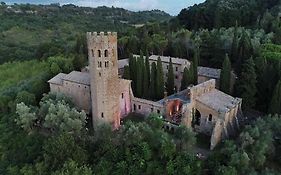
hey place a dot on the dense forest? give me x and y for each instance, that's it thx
(43, 133)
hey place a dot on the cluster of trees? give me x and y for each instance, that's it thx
(54, 139)
(256, 150)
(147, 81)
(225, 13)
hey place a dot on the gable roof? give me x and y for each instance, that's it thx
(78, 77)
(57, 79)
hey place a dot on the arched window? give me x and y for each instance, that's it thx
(197, 118)
(102, 115)
(210, 118)
(99, 64)
(99, 52)
(106, 64)
(106, 53)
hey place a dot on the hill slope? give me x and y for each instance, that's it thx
(25, 28)
(225, 13)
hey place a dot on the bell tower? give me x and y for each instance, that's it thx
(102, 53)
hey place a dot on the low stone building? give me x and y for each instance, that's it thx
(99, 90)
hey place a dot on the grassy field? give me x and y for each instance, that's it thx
(14, 72)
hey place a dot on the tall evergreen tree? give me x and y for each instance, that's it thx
(145, 83)
(126, 74)
(195, 62)
(153, 80)
(190, 77)
(133, 71)
(139, 80)
(246, 86)
(234, 46)
(225, 77)
(245, 50)
(160, 84)
(147, 65)
(275, 104)
(171, 79)
(184, 80)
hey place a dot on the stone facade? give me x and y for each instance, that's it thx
(76, 85)
(99, 90)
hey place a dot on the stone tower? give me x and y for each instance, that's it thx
(102, 49)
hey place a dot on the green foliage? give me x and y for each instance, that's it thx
(160, 83)
(60, 64)
(184, 80)
(72, 168)
(171, 79)
(226, 13)
(12, 73)
(256, 149)
(153, 79)
(246, 85)
(60, 149)
(275, 104)
(126, 74)
(195, 63)
(140, 73)
(225, 77)
(25, 97)
(245, 49)
(52, 117)
(40, 31)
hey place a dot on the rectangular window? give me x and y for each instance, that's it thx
(122, 95)
(151, 109)
(158, 111)
(139, 106)
(176, 68)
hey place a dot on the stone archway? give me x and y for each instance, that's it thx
(196, 119)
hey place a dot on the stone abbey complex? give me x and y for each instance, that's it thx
(99, 90)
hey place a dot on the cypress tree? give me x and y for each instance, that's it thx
(126, 74)
(145, 83)
(234, 47)
(147, 65)
(133, 71)
(245, 50)
(160, 80)
(190, 75)
(152, 84)
(195, 66)
(246, 86)
(225, 75)
(184, 80)
(275, 104)
(170, 79)
(139, 80)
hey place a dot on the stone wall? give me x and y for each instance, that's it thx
(202, 88)
(209, 117)
(125, 97)
(202, 79)
(79, 93)
(146, 107)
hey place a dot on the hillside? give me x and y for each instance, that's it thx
(225, 13)
(25, 28)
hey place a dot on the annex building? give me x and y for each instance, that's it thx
(99, 90)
